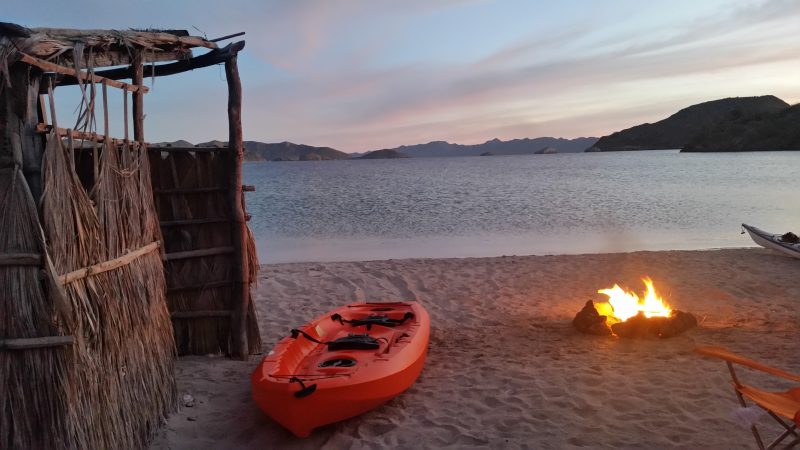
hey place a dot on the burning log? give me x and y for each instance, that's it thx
(625, 314)
(678, 322)
(589, 321)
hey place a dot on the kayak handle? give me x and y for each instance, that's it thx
(304, 391)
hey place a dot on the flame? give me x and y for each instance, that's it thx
(623, 305)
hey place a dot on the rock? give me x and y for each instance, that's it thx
(589, 321)
(187, 400)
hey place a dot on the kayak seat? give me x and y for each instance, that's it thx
(354, 342)
(369, 321)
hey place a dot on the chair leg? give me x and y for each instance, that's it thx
(753, 428)
(790, 430)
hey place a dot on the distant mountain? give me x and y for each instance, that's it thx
(287, 151)
(678, 129)
(178, 144)
(747, 131)
(546, 151)
(384, 154)
(525, 146)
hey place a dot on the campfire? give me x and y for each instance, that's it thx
(625, 314)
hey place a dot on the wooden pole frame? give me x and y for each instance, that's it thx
(241, 277)
(137, 78)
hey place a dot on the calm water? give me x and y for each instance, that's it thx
(506, 205)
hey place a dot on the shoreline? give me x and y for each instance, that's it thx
(505, 367)
(277, 250)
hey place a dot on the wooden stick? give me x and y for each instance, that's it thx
(42, 109)
(40, 342)
(105, 266)
(125, 112)
(198, 253)
(50, 67)
(137, 78)
(248, 188)
(105, 109)
(21, 259)
(241, 288)
(200, 314)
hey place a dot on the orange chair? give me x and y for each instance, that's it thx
(779, 405)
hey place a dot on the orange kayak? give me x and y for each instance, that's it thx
(342, 364)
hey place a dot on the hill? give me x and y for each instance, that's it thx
(287, 151)
(525, 146)
(260, 151)
(750, 132)
(383, 154)
(678, 129)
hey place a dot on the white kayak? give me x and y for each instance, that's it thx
(773, 241)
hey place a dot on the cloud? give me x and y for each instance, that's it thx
(360, 75)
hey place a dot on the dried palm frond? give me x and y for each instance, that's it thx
(34, 384)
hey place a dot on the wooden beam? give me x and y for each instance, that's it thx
(40, 342)
(183, 222)
(211, 58)
(230, 36)
(200, 314)
(105, 266)
(21, 259)
(198, 253)
(187, 149)
(85, 76)
(199, 287)
(240, 265)
(181, 191)
(248, 188)
(86, 136)
(147, 39)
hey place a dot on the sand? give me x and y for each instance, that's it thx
(505, 367)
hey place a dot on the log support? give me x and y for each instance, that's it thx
(137, 78)
(241, 286)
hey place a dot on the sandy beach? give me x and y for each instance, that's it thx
(506, 369)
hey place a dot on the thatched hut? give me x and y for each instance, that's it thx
(114, 255)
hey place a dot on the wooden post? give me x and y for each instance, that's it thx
(138, 96)
(241, 286)
(20, 110)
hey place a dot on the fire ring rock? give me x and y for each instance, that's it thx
(589, 321)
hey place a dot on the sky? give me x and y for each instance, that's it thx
(360, 75)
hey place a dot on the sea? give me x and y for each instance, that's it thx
(572, 203)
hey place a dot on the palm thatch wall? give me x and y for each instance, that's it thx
(87, 343)
(192, 188)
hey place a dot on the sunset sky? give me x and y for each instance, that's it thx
(369, 74)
